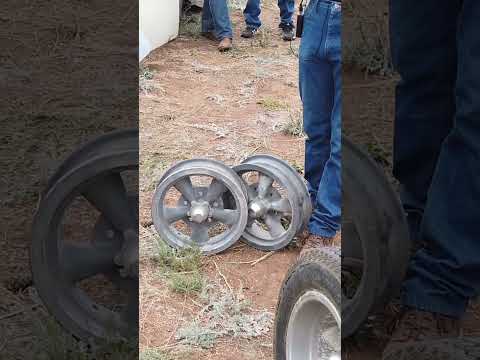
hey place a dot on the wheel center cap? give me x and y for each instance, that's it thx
(257, 208)
(199, 211)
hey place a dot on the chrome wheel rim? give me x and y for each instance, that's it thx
(300, 185)
(274, 214)
(314, 329)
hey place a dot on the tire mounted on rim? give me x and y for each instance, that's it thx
(308, 317)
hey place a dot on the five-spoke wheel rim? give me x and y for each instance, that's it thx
(197, 216)
(60, 265)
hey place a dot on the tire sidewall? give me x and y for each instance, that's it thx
(303, 277)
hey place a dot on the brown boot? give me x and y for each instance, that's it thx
(225, 44)
(421, 335)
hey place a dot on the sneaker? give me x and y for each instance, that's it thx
(288, 32)
(417, 334)
(248, 32)
(225, 44)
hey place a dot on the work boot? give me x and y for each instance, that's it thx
(288, 32)
(225, 44)
(421, 335)
(248, 32)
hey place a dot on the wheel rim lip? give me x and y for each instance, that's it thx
(111, 138)
(308, 298)
(295, 223)
(222, 242)
(59, 196)
(199, 162)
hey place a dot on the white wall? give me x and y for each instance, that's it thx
(158, 24)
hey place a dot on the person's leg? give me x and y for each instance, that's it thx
(320, 90)
(326, 217)
(208, 25)
(287, 9)
(251, 14)
(316, 91)
(444, 276)
(221, 19)
(423, 41)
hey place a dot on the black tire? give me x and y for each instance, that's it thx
(317, 270)
(374, 234)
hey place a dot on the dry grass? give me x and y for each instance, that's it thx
(271, 104)
(223, 314)
(181, 268)
(294, 125)
(366, 26)
(190, 25)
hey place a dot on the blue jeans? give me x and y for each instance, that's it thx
(321, 93)
(252, 13)
(216, 19)
(437, 146)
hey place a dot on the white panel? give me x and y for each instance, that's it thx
(158, 24)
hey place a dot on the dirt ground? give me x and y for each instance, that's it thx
(201, 103)
(55, 69)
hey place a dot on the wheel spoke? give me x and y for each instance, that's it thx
(186, 188)
(264, 184)
(252, 194)
(215, 190)
(274, 224)
(281, 206)
(226, 216)
(109, 196)
(175, 214)
(199, 233)
(82, 261)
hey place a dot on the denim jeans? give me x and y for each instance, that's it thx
(437, 146)
(321, 93)
(252, 13)
(216, 19)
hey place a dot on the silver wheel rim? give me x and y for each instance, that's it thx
(267, 208)
(287, 170)
(200, 208)
(59, 265)
(314, 329)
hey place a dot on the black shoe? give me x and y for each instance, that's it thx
(249, 32)
(288, 32)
